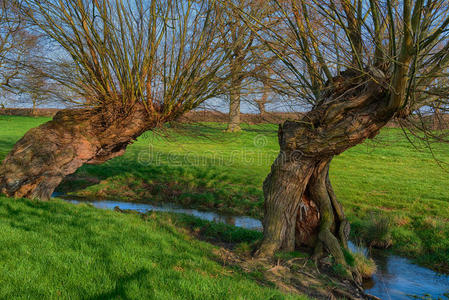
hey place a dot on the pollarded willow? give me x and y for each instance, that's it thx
(355, 65)
(130, 65)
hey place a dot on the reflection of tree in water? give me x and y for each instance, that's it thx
(230, 220)
(381, 260)
(368, 284)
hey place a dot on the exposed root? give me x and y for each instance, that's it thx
(294, 276)
(298, 275)
(344, 226)
(320, 195)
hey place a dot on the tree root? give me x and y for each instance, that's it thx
(334, 227)
(320, 195)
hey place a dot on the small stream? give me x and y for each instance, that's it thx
(396, 277)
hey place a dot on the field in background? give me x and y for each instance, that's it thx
(442, 122)
(201, 166)
(191, 116)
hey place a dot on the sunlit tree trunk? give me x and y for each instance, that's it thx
(264, 99)
(46, 154)
(234, 107)
(261, 107)
(235, 91)
(301, 208)
(33, 109)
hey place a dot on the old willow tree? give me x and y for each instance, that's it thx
(356, 65)
(133, 66)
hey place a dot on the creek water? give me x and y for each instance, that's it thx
(396, 277)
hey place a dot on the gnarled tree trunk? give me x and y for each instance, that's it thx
(46, 154)
(301, 208)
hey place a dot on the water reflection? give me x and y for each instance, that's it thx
(396, 277)
(239, 221)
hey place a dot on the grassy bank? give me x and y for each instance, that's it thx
(58, 250)
(203, 167)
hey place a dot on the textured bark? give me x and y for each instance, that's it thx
(234, 93)
(234, 110)
(263, 100)
(301, 208)
(307, 222)
(46, 154)
(261, 106)
(234, 116)
(283, 190)
(333, 229)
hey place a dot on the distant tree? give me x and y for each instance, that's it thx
(18, 59)
(248, 56)
(262, 101)
(267, 89)
(355, 65)
(132, 65)
(10, 41)
(35, 85)
(39, 83)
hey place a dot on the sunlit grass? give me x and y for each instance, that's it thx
(54, 250)
(204, 167)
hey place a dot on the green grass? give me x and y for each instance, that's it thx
(54, 250)
(203, 167)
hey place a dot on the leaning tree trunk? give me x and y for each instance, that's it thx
(46, 154)
(301, 208)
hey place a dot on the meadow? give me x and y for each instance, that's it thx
(391, 190)
(53, 249)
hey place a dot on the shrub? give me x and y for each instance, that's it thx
(365, 266)
(376, 231)
(243, 249)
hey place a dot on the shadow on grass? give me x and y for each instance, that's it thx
(6, 144)
(121, 284)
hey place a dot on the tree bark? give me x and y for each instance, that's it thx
(283, 190)
(235, 92)
(261, 106)
(332, 230)
(234, 114)
(33, 109)
(301, 208)
(264, 99)
(46, 154)
(234, 107)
